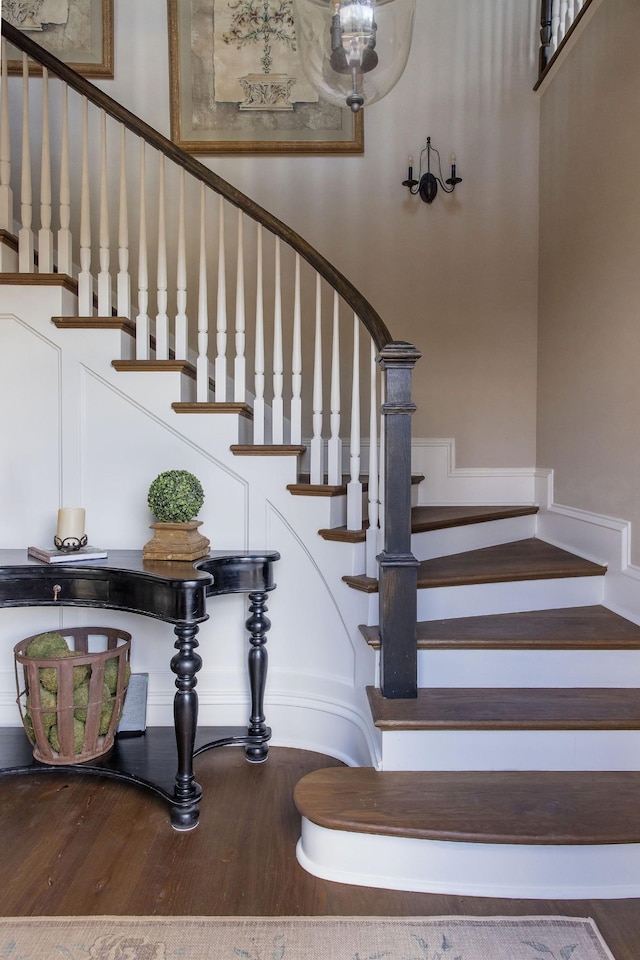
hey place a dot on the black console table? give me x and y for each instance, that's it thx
(176, 593)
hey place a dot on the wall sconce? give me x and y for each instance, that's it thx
(427, 183)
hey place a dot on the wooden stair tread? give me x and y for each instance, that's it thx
(267, 449)
(439, 518)
(580, 628)
(149, 366)
(537, 807)
(529, 559)
(199, 406)
(39, 280)
(95, 323)
(424, 519)
(506, 708)
(304, 488)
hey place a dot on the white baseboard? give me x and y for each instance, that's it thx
(445, 483)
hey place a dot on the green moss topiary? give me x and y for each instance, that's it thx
(175, 496)
(47, 645)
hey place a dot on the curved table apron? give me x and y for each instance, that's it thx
(177, 593)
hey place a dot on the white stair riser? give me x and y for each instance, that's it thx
(474, 600)
(511, 750)
(471, 869)
(529, 668)
(444, 543)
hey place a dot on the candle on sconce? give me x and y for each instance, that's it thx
(410, 177)
(71, 523)
(453, 166)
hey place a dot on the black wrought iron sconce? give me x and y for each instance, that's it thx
(427, 183)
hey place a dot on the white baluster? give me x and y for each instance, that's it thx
(562, 21)
(296, 362)
(373, 493)
(162, 319)
(104, 276)
(571, 12)
(6, 194)
(555, 25)
(45, 234)
(258, 404)
(142, 319)
(182, 323)
(354, 487)
(317, 466)
(277, 409)
(25, 234)
(381, 461)
(124, 277)
(335, 447)
(240, 366)
(85, 280)
(65, 240)
(202, 363)
(221, 317)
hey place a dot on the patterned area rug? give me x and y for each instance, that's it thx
(301, 938)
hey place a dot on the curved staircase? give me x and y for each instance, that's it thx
(514, 772)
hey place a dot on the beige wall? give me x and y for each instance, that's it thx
(459, 278)
(589, 333)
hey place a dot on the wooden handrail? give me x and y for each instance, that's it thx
(358, 303)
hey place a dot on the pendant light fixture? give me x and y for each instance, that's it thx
(353, 52)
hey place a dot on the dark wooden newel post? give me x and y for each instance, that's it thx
(397, 576)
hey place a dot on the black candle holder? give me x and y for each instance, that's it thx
(427, 183)
(70, 544)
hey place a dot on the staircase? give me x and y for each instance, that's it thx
(514, 772)
(498, 755)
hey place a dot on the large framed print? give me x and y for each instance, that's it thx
(237, 85)
(80, 32)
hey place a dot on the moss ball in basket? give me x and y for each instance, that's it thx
(175, 498)
(71, 687)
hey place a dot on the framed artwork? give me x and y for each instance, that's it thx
(237, 85)
(80, 32)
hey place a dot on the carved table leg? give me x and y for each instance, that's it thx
(258, 624)
(185, 664)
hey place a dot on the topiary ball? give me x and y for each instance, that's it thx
(175, 496)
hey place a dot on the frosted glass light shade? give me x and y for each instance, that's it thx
(353, 51)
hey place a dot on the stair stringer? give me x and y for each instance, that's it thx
(107, 437)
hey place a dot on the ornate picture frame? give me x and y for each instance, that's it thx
(80, 32)
(237, 86)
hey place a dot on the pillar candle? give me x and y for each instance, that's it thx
(71, 523)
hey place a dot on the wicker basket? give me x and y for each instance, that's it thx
(75, 718)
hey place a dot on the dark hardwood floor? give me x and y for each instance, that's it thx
(74, 845)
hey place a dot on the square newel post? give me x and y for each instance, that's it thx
(398, 567)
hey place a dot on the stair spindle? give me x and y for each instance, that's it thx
(239, 367)
(124, 277)
(25, 234)
(354, 486)
(104, 276)
(202, 363)
(335, 447)
(65, 240)
(373, 493)
(162, 318)
(258, 403)
(85, 280)
(317, 466)
(6, 194)
(277, 406)
(221, 313)
(296, 362)
(45, 234)
(182, 323)
(142, 320)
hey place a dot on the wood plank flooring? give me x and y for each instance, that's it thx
(76, 845)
